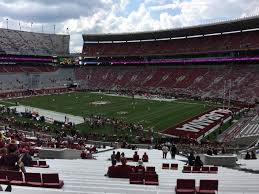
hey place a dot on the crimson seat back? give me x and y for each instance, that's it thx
(205, 169)
(185, 184)
(213, 169)
(114, 173)
(3, 175)
(52, 181)
(196, 169)
(34, 163)
(32, 177)
(42, 163)
(165, 166)
(187, 168)
(174, 166)
(150, 169)
(209, 185)
(151, 179)
(136, 178)
(14, 176)
(50, 178)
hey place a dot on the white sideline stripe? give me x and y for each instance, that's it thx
(51, 114)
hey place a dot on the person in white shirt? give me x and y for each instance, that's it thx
(165, 150)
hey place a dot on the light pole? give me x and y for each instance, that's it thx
(7, 23)
(54, 29)
(31, 26)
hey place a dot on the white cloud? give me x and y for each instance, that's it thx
(108, 16)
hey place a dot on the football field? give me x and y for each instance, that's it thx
(150, 113)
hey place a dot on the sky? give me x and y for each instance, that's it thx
(114, 16)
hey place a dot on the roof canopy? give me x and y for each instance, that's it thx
(220, 27)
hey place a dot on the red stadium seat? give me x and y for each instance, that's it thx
(185, 186)
(15, 178)
(43, 164)
(207, 187)
(196, 169)
(136, 178)
(187, 169)
(129, 159)
(151, 179)
(34, 163)
(3, 177)
(165, 166)
(205, 169)
(150, 169)
(213, 169)
(52, 181)
(174, 166)
(33, 179)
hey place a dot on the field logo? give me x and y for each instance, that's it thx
(204, 121)
(201, 125)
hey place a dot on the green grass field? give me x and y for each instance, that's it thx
(159, 115)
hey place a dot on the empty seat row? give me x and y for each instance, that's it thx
(197, 169)
(168, 166)
(187, 186)
(147, 178)
(39, 164)
(50, 180)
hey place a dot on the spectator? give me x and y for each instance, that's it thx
(12, 159)
(140, 168)
(113, 156)
(215, 151)
(90, 156)
(26, 158)
(223, 151)
(3, 153)
(173, 151)
(165, 151)
(198, 161)
(209, 152)
(111, 169)
(191, 159)
(247, 157)
(8, 188)
(118, 156)
(145, 157)
(124, 169)
(253, 155)
(123, 159)
(136, 157)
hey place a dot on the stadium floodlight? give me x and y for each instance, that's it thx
(7, 23)
(31, 26)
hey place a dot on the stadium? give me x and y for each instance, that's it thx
(190, 91)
